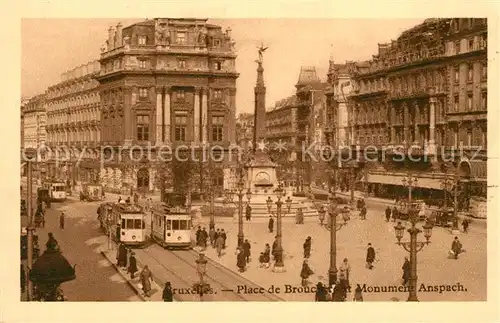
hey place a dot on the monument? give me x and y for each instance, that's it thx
(261, 170)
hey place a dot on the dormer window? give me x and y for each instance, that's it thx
(141, 40)
(181, 63)
(181, 38)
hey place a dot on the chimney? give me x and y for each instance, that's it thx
(118, 35)
(228, 32)
(111, 38)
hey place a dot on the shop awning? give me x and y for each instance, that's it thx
(479, 169)
(397, 180)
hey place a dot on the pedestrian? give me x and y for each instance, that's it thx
(118, 233)
(363, 213)
(61, 220)
(122, 256)
(394, 214)
(119, 199)
(219, 243)
(248, 212)
(246, 250)
(224, 238)
(212, 236)
(344, 273)
(299, 216)
(203, 238)
(198, 236)
(339, 293)
(370, 256)
(275, 246)
(240, 260)
(51, 243)
(465, 225)
(456, 247)
(321, 293)
(136, 198)
(387, 214)
(132, 266)
(307, 247)
(305, 272)
(127, 201)
(406, 271)
(358, 294)
(168, 295)
(270, 226)
(146, 278)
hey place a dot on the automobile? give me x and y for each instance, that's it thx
(442, 217)
(404, 208)
(91, 192)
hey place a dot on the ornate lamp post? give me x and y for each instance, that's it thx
(332, 271)
(413, 247)
(201, 267)
(48, 273)
(30, 154)
(279, 266)
(409, 181)
(241, 185)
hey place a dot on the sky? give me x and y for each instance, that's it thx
(50, 47)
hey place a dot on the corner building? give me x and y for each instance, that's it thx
(166, 83)
(427, 90)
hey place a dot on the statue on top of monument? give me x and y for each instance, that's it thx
(261, 49)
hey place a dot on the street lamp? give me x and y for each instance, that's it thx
(410, 182)
(269, 203)
(413, 247)
(30, 154)
(332, 271)
(241, 185)
(249, 195)
(279, 266)
(201, 267)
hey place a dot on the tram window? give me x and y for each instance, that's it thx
(130, 223)
(175, 224)
(169, 224)
(123, 223)
(183, 225)
(138, 224)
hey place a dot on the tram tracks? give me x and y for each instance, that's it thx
(179, 267)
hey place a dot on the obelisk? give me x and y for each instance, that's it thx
(259, 132)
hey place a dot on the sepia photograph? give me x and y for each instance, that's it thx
(181, 159)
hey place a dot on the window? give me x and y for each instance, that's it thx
(455, 103)
(137, 224)
(169, 224)
(141, 40)
(181, 63)
(457, 47)
(217, 128)
(180, 128)
(469, 137)
(183, 224)
(457, 74)
(469, 102)
(142, 64)
(217, 94)
(484, 71)
(484, 100)
(181, 37)
(217, 66)
(142, 123)
(180, 95)
(216, 42)
(130, 223)
(175, 224)
(470, 43)
(470, 72)
(143, 92)
(123, 224)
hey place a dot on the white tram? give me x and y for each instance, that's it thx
(171, 226)
(123, 223)
(57, 190)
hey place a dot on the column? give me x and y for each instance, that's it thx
(204, 115)
(152, 174)
(196, 116)
(232, 116)
(159, 116)
(405, 122)
(432, 119)
(417, 111)
(166, 114)
(127, 116)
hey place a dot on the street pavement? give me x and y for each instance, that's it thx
(81, 242)
(434, 267)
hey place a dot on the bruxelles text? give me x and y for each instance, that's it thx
(314, 152)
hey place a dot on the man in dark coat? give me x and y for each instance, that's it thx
(456, 247)
(212, 236)
(275, 246)
(122, 256)
(307, 247)
(370, 256)
(198, 236)
(465, 225)
(339, 293)
(305, 272)
(248, 212)
(132, 266)
(203, 238)
(388, 214)
(61, 220)
(246, 250)
(168, 295)
(406, 271)
(321, 293)
(52, 243)
(363, 213)
(224, 237)
(394, 214)
(271, 224)
(240, 260)
(118, 233)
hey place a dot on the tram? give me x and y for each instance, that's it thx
(171, 226)
(123, 222)
(57, 190)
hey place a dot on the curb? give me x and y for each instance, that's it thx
(136, 291)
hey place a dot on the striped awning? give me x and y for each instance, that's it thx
(423, 182)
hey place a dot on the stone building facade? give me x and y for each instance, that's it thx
(166, 85)
(297, 122)
(426, 91)
(244, 130)
(34, 120)
(73, 125)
